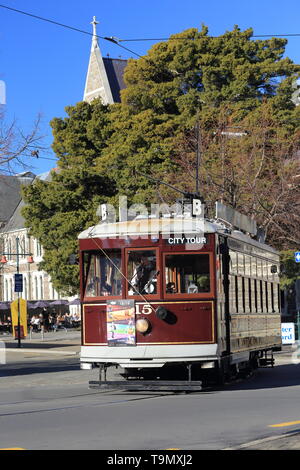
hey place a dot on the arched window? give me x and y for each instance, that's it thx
(36, 288)
(11, 294)
(38, 248)
(25, 288)
(9, 249)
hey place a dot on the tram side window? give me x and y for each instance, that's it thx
(103, 277)
(265, 270)
(247, 295)
(233, 262)
(253, 296)
(258, 296)
(187, 274)
(253, 267)
(241, 265)
(276, 293)
(264, 296)
(247, 265)
(142, 272)
(240, 295)
(259, 269)
(270, 297)
(232, 294)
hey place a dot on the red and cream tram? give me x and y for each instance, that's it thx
(158, 303)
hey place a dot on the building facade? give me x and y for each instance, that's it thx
(104, 79)
(22, 253)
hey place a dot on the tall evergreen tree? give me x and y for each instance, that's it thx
(231, 81)
(59, 209)
(187, 79)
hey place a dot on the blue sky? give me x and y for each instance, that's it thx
(44, 65)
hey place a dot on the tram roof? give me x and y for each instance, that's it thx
(167, 225)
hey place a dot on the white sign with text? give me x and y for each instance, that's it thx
(288, 333)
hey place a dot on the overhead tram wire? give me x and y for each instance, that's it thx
(63, 25)
(117, 41)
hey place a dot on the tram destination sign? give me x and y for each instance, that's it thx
(187, 240)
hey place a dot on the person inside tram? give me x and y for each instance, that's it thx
(204, 284)
(144, 274)
(91, 290)
(170, 288)
(192, 288)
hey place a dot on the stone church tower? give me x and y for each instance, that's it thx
(105, 76)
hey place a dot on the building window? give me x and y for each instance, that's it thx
(36, 288)
(6, 290)
(11, 295)
(25, 288)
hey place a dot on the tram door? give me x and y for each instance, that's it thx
(225, 260)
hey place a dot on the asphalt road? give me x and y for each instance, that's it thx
(45, 403)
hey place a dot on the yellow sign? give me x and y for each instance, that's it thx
(19, 305)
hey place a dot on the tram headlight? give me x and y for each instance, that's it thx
(143, 325)
(162, 313)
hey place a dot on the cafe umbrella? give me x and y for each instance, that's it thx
(75, 302)
(4, 306)
(39, 304)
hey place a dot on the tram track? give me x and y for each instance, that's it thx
(78, 406)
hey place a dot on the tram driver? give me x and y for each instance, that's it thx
(144, 276)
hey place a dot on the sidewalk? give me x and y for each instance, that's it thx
(48, 340)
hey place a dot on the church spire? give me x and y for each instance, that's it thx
(97, 83)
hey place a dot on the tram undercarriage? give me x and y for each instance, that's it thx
(183, 376)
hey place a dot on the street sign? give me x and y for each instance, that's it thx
(18, 282)
(288, 333)
(297, 256)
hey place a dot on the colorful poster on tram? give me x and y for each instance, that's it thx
(120, 319)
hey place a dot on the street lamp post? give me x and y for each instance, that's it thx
(20, 287)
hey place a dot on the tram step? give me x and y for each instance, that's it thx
(178, 385)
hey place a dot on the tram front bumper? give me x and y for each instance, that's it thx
(149, 356)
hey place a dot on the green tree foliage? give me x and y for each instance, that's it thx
(228, 82)
(290, 269)
(57, 210)
(192, 77)
(252, 166)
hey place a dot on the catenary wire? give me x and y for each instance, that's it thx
(117, 41)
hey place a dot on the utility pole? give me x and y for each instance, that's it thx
(197, 155)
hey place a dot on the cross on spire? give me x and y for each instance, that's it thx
(94, 23)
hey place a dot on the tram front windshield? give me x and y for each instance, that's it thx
(102, 276)
(184, 273)
(142, 272)
(187, 273)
